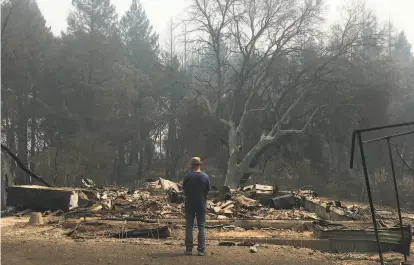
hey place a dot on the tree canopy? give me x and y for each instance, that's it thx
(258, 89)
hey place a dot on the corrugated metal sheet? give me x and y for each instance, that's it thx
(390, 236)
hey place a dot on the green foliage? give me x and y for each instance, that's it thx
(92, 17)
(105, 101)
(141, 42)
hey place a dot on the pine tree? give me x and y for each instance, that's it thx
(25, 44)
(141, 50)
(402, 48)
(139, 38)
(92, 16)
(95, 83)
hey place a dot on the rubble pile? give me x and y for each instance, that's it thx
(156, 209)
(164, 199)
(123, 202)
(242, 207)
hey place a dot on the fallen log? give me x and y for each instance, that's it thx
(240, 244)
(22, 166)
(227, 243)
(129, 219)
(161, 232)
(39, 198)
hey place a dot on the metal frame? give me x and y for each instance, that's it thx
(358, 134)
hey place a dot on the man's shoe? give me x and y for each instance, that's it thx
(201, 253)
(188, 252)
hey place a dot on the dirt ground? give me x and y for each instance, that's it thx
(26, 245)
(63, 252)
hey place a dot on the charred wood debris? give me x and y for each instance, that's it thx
(164, 199)
(144, 211)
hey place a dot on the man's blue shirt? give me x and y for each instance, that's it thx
(196, 186)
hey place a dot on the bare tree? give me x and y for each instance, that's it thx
(266, 57)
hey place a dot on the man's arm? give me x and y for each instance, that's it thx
(208, 185)
(185, 183)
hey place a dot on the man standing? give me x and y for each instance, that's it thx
(196, 185)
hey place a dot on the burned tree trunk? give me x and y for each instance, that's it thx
(7, 178)
(22, 151)
(233, 169)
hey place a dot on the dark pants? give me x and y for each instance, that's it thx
(189, 225)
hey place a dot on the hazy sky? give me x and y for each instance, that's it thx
(161, 11)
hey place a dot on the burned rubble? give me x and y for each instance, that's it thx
(156, 207)
(164, 199)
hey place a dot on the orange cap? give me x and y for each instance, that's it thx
(195, 160)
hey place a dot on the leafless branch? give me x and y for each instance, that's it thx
(400, 155)
(300, 131)
(265, 107)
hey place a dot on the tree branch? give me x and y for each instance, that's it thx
(259, 109)
(23, 167)
(400, 155)
(287, 113)
(300, 131)
(213, 110)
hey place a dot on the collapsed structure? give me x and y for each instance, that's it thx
(336, 226)
(164, 199)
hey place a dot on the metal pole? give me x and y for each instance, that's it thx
(396, 193)
(387, 126)
(351, 163)
(354, 133)
(389, 136)
(371, 204)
